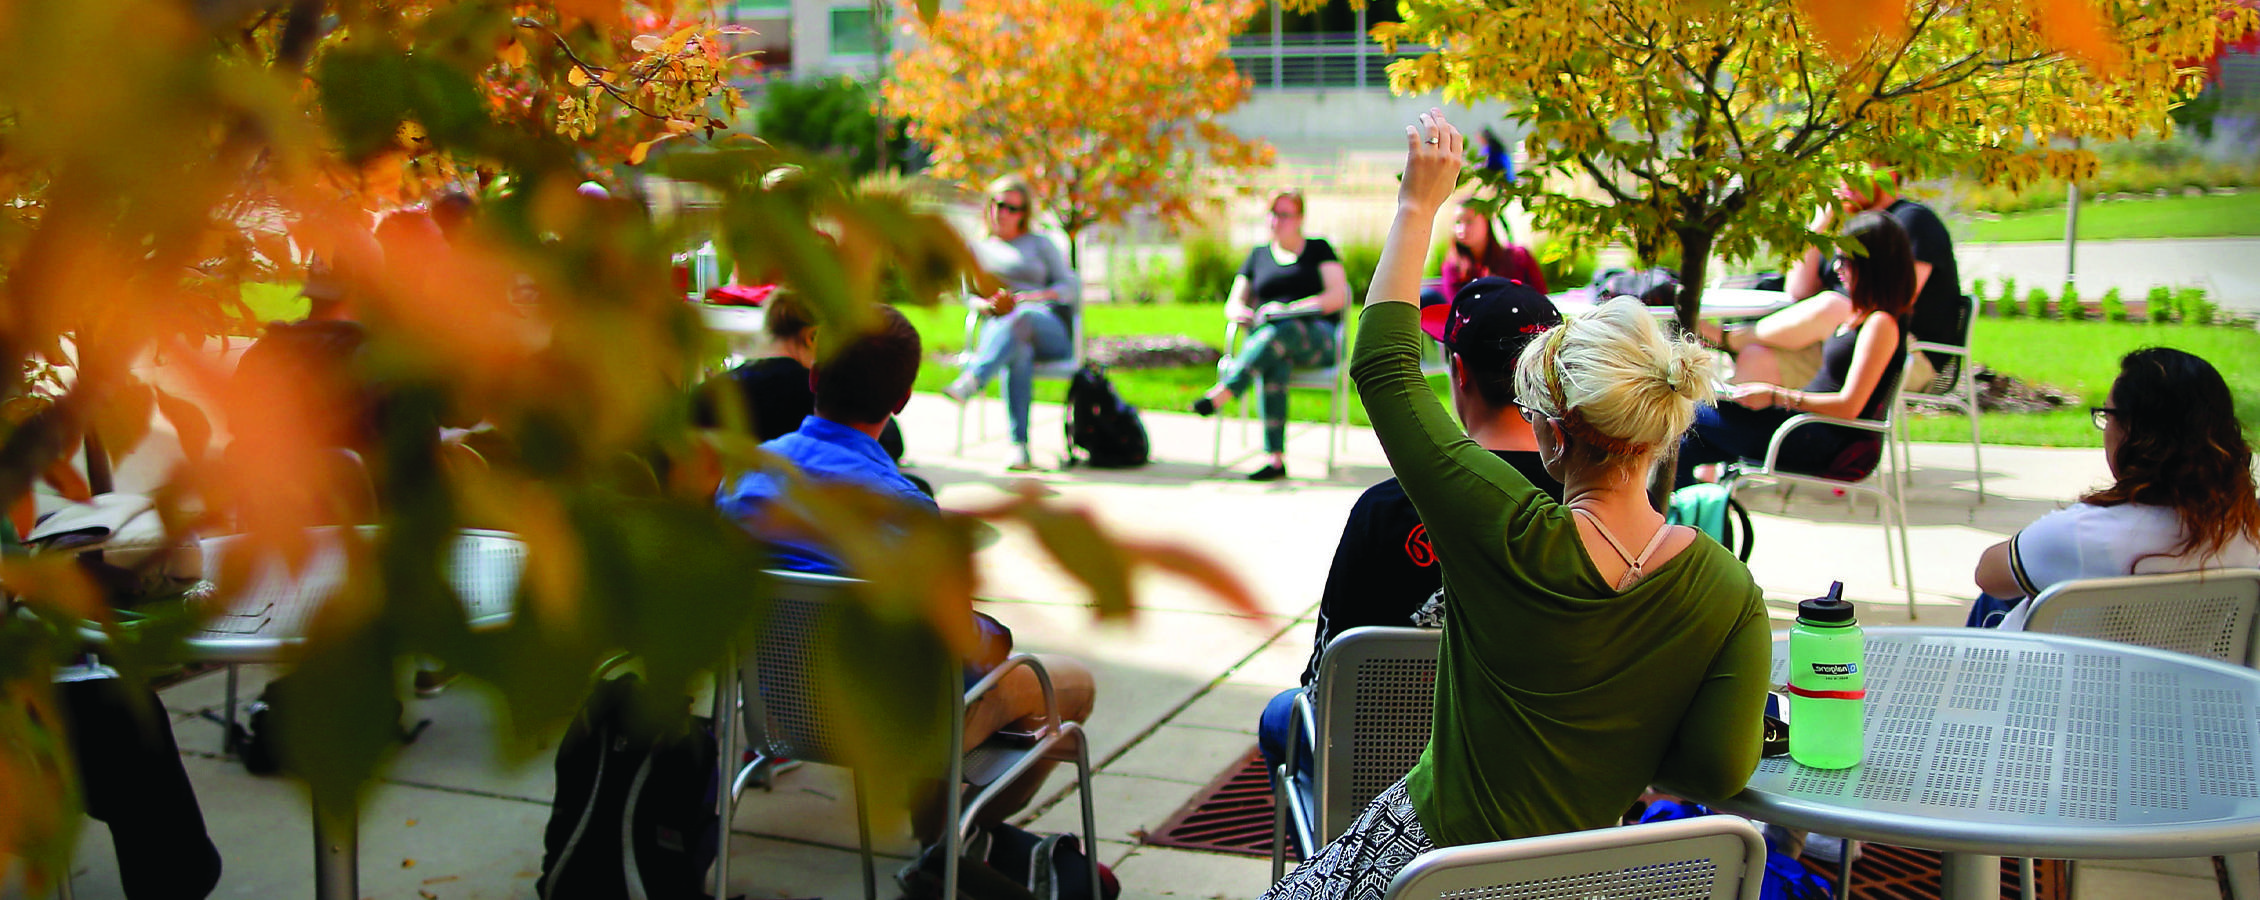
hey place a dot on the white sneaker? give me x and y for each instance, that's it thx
(962, 389)
(1022, 461)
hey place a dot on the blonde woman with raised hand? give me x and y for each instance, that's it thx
(1589, 649)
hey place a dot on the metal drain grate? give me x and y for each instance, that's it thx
(1231, 815)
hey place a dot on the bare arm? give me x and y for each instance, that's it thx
(1808, 322)
(1994, 575)
(1236, 307)
(1871, 355)
(1428, 181)
(1922, 276)
(1805, 277)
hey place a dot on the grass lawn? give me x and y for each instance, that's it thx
(2168, 217)
(2081, 357)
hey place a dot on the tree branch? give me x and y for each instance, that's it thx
(595, 74)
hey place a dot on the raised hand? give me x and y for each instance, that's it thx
(1434, 151)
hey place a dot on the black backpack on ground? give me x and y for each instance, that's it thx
(630, 806)
(1098, 421)
(1006, 863)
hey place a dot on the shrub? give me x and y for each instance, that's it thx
(2195, 308)
(2068, 305)
(1208, 270)
(1977, 291)
(828, 117)
(1359, 259)
(2008, 305)
(2036, 303)
(1144, 279)
(2114, 308)
(2161, 302)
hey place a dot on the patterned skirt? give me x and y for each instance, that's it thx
(1360, 864)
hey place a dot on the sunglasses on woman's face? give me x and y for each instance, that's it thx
(1007, 207)
(2102, 416)
(1529, 414)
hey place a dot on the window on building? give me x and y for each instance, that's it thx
(851, 31)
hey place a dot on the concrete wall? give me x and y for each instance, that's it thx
(1319, 126)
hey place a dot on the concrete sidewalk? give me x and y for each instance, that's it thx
(1179, 687)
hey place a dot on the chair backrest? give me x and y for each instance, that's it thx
(1958, 362)
(790, 710)
(1706, 858)
(2203, 613)
(1376, 697)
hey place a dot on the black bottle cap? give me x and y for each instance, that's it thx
(1829, 610)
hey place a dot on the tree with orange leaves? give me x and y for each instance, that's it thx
(1717, 126)
(1104, 107)
(155, 155)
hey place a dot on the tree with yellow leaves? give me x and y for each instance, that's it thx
(1105, 107)
(1717, 126)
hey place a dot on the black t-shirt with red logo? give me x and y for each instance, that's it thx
(1384, 569)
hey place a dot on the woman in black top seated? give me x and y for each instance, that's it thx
(1860, 363)
(1291, 292)
(775, 389)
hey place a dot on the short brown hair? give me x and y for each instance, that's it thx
(871, 374)
(785, 318)
(1291, 194)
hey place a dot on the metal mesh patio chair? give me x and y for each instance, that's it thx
(1706, 858)
(1955, 387)
(786, 717)
(1883, 484)
(1334, 380)
(2205, 613)
(1366, 726)
(1055, 369)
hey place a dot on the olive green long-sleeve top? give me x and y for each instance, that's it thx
(1558, 698)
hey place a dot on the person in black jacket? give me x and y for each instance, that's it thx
(1384, 571)
(775, 389)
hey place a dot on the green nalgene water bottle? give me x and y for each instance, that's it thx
(1827, 691)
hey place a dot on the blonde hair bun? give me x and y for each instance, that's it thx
(1620, 373)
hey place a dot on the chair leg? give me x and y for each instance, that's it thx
(2025, 870)
(228, 748)
(725, 801)
(2243, 883)
(1279, 824)
(1090, 813)
(862, 836)
(63, 886)
(962, 408)
(1844, 869)
(1977, 449)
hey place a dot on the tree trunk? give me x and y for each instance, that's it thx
(1694, 265)
(1694, 270)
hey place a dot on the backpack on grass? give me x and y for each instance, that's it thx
(634, 814)
(1102, 425)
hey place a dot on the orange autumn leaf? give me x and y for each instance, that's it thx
(2077, 28)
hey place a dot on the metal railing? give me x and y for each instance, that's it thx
(1314, 60)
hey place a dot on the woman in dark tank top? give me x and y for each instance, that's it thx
(1860, 366)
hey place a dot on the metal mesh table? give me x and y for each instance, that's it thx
(267, 617)
(273, 612)
(1984, 743)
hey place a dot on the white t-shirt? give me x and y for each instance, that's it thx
(2085, 541)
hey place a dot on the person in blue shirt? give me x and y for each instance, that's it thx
(859, 390)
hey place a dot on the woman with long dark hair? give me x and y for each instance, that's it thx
(2181, 496)
(1860, 363)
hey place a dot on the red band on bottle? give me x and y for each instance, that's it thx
(1828, 695)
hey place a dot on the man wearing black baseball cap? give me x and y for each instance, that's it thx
(1384, 570)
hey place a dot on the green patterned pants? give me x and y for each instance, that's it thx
(1269, 355)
